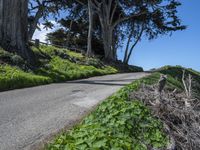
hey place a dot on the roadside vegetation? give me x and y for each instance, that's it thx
(131, 119)
(117, 123)
(178, 106)
(54, 65)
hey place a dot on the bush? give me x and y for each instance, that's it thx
(5, 56)
(94, 62)
(17, 60)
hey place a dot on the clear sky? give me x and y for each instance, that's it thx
(182, 48)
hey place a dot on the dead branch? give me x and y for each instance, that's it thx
(187, 87)
(181, 125)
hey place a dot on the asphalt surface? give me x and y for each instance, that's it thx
(28, 116)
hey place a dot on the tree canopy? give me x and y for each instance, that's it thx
(99, 26)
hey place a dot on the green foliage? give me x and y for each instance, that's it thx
(60, 70)
(56, 65)
(136, 69)
(116, 124)
(94, 62)
(16, 59)
(13, 77)
(75, 55)
(177, 71)
(175, 76)
(4, 54)
(11, 58)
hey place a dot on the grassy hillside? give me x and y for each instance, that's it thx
(125, 122)
(118, 123)
(176, 72)
(54, 65)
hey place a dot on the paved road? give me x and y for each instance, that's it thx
(28, 116)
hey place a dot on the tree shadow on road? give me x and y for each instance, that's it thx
(120, 82)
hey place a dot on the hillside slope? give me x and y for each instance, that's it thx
(132, 118)
(54, 65)
(176, 72)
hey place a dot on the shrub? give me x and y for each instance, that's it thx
(17, 60)
(94, 62)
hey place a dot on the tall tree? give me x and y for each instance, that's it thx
(14, 27)
(90, 22)
(163, 21)
(113, 13)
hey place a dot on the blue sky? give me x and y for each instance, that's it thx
(182, 48)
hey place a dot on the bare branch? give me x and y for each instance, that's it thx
(187, 88)
(80, 2)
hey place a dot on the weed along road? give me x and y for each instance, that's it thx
(30, 116)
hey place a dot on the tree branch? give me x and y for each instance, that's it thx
(127, 18)
(113, 13)
(132, 47)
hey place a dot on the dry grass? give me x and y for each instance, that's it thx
(182, 123)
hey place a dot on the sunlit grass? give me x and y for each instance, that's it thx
(52, 68)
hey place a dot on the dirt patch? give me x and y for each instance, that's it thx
(182, 123)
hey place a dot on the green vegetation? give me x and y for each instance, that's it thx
(176, 72)
(60, 70)
(13, 77)
(122, 123)
(117, 123)
(54, 65)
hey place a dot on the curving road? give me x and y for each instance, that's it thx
(29, 116)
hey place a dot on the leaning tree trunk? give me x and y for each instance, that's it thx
(127, 47)
(34, 22)
(14, 28)
(128, 54)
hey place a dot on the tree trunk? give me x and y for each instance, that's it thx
(107, 36)
(89, 42)
(14, 28)
(128, 51)
(1, 19)
(107, 45)
(105, 14)
(68, 34)
(127, 47)
(33, 24)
